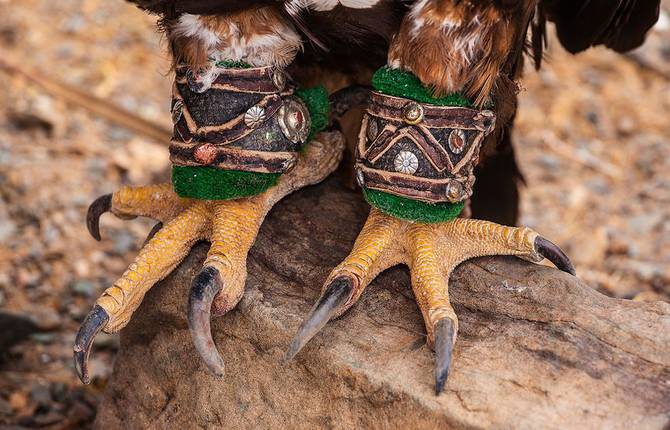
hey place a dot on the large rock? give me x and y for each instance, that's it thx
(536, 348)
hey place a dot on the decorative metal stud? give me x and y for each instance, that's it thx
(205, 154)
(294, 120)
(406, 162)
(288, 165)
(255, 116)
(412, 112)
(279, 79)
(360, 179)
(489, 118)
(454, 191)
(372, 131)
(177, 111)
(456, 141)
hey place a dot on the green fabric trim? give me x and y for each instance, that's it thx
(394, 82)
(232, 64)
(316, 100)
(412, 210)
(210, 183)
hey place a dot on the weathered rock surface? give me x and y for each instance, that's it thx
(536, 348)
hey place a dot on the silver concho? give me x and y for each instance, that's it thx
(254, 117)
(406, 162)
(294, 120)
(177, 110)
(457, 141)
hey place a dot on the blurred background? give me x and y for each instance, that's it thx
(592, 138)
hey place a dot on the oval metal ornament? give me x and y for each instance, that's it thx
(294, 120)
(456, 141)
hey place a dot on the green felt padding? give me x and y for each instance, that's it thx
(412, 210)
(318, 105)
(210, 183)
(394, 82)
(232, 64)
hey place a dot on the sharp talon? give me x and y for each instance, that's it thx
(337, 294)
(155, 229)
(93, 323)
(206, 286)
(444, 344)
(99, 206)
(553, 253)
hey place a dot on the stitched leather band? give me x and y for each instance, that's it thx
(237, 119)
(420, 151)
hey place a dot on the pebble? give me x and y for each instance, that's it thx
(41, 394)
(84, 288)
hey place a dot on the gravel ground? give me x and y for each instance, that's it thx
(592, 139)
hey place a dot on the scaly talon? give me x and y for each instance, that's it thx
(432, 252)
(336, 294)
(206, 285)
(553, 253)
(99, 206)
(445, 336)
(93, 323)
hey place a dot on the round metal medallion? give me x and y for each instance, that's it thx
(454, 191)
(412, 112)
(254, 117)
(456, 141)
(372, 131)
(294, 120)
(177, 110)
(406, 162)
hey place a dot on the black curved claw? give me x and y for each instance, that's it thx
(444, 344)
(553, 253)
(99, 206)
(205, 287)
(93, 323)
(336, 295)
(155, 229)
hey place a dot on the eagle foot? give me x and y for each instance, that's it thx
(432, 251)
(230, 226)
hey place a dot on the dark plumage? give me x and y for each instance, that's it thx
(355, 42)
(618, 24)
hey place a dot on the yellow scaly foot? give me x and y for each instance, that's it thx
(230, 225)
(432, 251)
